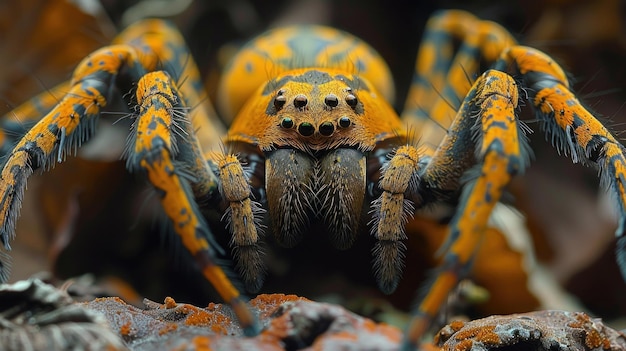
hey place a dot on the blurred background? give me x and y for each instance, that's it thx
(76, 218)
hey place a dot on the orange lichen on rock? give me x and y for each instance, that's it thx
(216, 320)
(543, 330)
(169, 303)
(485, 335)
(168, 329)
(593, 337)
(456, 325)
(126, 329)
(291, 322)
(466, 337)
(267, 303)
(265, 300)
(201, 343)
(212, 306)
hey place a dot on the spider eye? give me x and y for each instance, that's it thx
(306, 129)
(331, 100)
(351, 100)
(279, 101)
(327, 128)
(344, 122)
(286, 123)
(300, 101)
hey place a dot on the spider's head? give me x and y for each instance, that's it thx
(314, 110)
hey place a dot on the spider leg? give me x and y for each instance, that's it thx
(443, 73)
(70, 123)
(452, 48)
(18, 121)
(485, 131)
(158, 45)
(390, 213)
(162, 134)
(161, 40)
(242, 218)
(572, 129)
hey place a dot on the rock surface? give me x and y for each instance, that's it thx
(37, 316)
(542, 330)
(290, 323)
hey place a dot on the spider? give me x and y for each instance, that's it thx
(314, 144)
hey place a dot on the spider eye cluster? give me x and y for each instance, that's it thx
(302, 102)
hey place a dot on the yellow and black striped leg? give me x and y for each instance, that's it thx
(574, 131)
(162, 145)
(70, 123)
(444, 70)
(157, 45)
(441, 71)
(74, 107)
(164, 48)
(485, 132)
(17, 122)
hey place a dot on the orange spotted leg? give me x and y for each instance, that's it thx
(573, 130)
(486, 130)
(157, 44)
(70, 123)
(161, 46)
(444, 70)
(164, 146)
(17, 122)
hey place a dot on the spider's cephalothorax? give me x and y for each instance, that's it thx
(321, 133)
(309, 117)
